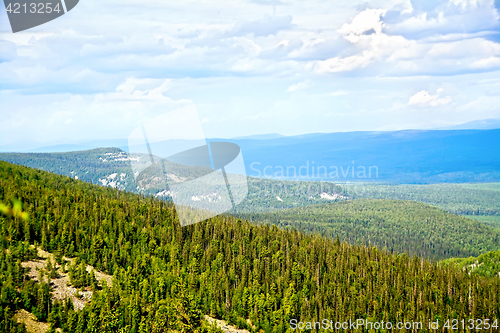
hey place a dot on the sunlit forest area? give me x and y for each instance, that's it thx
(166, 278)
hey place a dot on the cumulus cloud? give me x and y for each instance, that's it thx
(432, 18)
(424, 99)
(61, 117)
(373, 41)
(366, 22)
(365, 32)
(359, 30)
(131, 59)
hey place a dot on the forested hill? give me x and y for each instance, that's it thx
(462, 199)
(487, 264)
(111, 167)
(408, 156)
(401, 226)
(103, 166)
(165, 277)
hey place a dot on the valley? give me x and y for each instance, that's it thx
(396, 225)
(111, 167)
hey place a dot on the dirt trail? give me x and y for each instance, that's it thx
(60, 285)
(29, 320)
(224, 326)
(61, 290)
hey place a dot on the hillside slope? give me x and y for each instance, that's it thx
(165, 276)
(487, 264)
(111, 167)
(103, 166)
(462, 199)
(401, 226)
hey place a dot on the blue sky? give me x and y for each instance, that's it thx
(249, 67)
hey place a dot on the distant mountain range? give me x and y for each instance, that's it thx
(484, 124)
(116, 143)
(112, 167)
(261, 136)
(402, 156)
(412, 156)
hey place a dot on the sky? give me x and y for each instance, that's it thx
(249, 67)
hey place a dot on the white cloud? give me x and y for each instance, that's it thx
(365, 22)
(490, 62)
(298, 86)
(365, 32)
(339, 93)
(418, 22)
(471, 4)
(61, 117)
(434, 18)
(141, 93)
(375, 49)
(339, 64)
(235, 60)
(423, 99)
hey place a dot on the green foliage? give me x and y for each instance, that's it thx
(462, 199)
(50, 267)
(97, 165)
(22, 251)
(400, 226)
(268, 195)
(7, 323)
(79, 276)
(491, 220)
(92, 166)
(165, 276)
(487, 264)
(18, 292)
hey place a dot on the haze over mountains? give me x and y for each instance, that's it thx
(483, 124)
(403, 156)
(476, 124)
(411, 156)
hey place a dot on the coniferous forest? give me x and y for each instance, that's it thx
(400, 226)
(99, 165)
(166, 278)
